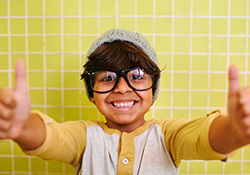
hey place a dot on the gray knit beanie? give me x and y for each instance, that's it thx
(128, 36)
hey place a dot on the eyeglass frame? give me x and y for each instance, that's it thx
(122, 73)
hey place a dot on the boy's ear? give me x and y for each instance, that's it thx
(92, 99)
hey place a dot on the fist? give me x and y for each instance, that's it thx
(14, 105)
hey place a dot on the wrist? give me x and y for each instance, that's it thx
(223, 136)
(33, 133)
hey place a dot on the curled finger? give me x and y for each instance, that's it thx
(245, 108)
(7, 98)
(5, 125)
(6, 113)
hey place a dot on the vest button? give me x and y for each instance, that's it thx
(125, 161)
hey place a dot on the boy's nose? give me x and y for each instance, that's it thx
(122, 86)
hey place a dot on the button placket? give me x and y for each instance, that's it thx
(126, 156)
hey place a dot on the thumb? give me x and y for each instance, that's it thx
(20, 76)
(233, 80)
(233, 91)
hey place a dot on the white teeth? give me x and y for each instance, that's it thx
(123, 104)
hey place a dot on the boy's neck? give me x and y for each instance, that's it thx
(125, 127)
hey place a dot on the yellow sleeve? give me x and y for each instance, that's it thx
(188, 140)
(64, 142)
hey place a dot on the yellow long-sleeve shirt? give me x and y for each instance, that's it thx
(157, 147)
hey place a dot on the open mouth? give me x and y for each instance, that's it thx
(124, 104)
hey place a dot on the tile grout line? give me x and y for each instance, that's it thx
(27, 64)
(44, 68)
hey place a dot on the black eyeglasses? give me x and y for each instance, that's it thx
(106, 81)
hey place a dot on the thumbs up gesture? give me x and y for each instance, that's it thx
(239, 107)
(14, 105)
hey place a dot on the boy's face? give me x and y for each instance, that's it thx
(123, 108)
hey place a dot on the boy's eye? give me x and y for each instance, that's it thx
(108, 78)
(105, 77)
(136, 74)
(136, 77)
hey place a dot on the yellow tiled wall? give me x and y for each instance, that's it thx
(196, 41)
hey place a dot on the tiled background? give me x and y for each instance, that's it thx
(196, 41)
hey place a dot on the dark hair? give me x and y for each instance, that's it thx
(117, 56)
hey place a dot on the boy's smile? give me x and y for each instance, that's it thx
(123, 108)
(123, 105)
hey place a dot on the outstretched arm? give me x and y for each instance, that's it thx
(230, 133)
(16, 122)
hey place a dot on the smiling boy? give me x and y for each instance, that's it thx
(121, 77)
(127, 95)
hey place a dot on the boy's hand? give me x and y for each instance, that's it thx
(14, 106)
(239, 107)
